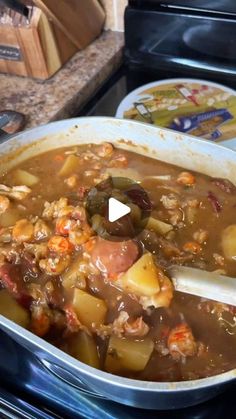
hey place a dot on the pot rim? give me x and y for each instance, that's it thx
(62, 358)
(75, 120)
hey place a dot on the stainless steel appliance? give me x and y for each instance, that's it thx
(187, 36)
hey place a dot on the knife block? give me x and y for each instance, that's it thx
(40, 48)
(36, 50)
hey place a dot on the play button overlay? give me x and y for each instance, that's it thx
(118, 208)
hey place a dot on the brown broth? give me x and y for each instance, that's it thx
(218, 337)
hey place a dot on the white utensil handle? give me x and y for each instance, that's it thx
(204, 284)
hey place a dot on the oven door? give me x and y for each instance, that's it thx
(194, 37)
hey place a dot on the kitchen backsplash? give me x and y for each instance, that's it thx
(115, 14)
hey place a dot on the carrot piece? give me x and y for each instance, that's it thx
(192, 247)
(60, 244)
(59, 157)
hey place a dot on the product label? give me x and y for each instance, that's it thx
(185, 92)
(204, 124)
(10, 53)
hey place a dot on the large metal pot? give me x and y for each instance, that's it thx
(165, 145)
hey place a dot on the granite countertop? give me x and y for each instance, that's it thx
(61, 95)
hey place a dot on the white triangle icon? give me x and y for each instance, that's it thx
(116, 210)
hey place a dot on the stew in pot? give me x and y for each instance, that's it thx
(104, 297)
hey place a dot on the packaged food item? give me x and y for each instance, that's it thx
(204, 124)
(201, 108)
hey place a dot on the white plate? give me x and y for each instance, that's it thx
(210, 96)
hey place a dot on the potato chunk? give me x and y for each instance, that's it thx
(73, 277)
(70, 165)
(22, 177)
(10, 308)
(229, 242)
(157, 225)
(10, 217)
(142, 278)
(127, 354)
(90, 310)
(83, 347)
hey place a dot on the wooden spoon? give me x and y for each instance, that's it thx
(204, 284)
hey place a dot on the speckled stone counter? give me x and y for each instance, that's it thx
(69, 88)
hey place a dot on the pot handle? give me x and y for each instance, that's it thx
(69, 378)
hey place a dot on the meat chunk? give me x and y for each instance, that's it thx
(40, 320)
(57, 209)
(176, 217)
(114, 257)
(64, 225)
(219, 259)
(225, 185)
(181, 342)
(137, 327)
(118, 161)
(41, 230)
(192, 247)
(60, 245)
(200, 236)
(15, 192)
(10, 277)
(78, 236)
(124, 326)
(170, 201)
(23, 231)
(214, 201)
(39, 251)
(54, 266)
(71, 181)
(117, 327)
(162, 298)
(72, 322)
(186, 179)
(4, 204)
(105, 150)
